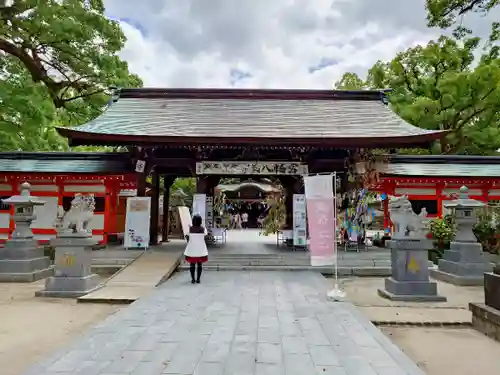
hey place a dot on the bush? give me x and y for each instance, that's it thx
(442, 233)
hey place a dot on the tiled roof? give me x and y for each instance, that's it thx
(64, 162)
(228, 115)
(443, 166)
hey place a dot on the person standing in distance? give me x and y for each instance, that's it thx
(244, 220)
(196, 252)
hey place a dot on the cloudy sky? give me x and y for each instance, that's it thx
(267, 43)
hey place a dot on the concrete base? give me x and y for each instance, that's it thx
(486, 320)
(456, 279)
(26, 277)
(410, 297)
(69, 287)
(463, 264)
(410, 291)
(23, 261)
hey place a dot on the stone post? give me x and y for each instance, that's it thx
(73, 260)
(486, 316)
(409, 259)
(464, 263)
(492, 288)
(22, 260)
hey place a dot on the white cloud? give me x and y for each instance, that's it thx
(272, 44)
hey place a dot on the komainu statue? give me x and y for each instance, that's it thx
(406, 222)
(78, 217)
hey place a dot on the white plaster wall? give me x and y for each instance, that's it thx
(474, 192)
(5, 187)
(98, 237)
(44, 237)
(411, 191)
(97, 222)
(85, 188)
(46, 214)
(35, 188)
(5, 220)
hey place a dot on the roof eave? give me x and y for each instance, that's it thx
(79, 138)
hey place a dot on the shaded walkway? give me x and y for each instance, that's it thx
(234, 323)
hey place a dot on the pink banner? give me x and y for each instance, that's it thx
(321, 218)
(322, 244)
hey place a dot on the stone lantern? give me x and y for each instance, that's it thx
(464, 263)
(22, 260)
(24, 212)
(465, 215)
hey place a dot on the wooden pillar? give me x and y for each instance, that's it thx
(439, 198)
(141, 170)
(155, 202)
(168, 180)
(201, 185)
(288, 183)
(109, 216)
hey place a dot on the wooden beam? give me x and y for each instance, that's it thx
(167, 183)
(155, 202)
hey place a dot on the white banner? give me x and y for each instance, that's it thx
(299, 220)
(137, 222)
(209, 215)
(200, 206)
(321, 217)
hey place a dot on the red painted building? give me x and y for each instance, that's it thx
(428, 181)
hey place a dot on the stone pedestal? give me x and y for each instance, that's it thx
(73, 260)
(410, 272)
(463, 264)
(22, 260)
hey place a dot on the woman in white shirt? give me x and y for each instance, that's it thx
(244, 220)
(196, 251)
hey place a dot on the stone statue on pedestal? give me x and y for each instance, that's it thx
(406, 222)
(409, 256)
(73, 251)
(78, 217)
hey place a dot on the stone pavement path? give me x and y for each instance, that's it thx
(234, 323)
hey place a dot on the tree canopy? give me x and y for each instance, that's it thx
(441, 86)
(445, 13)
(59, 59)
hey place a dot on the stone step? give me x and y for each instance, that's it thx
(342, 271)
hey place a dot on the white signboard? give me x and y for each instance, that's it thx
(137, 222)
(251, 168)
(299, 220)
(209, 218)
(200, 206)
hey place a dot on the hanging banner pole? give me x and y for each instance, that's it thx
(321, 201)
(336, 294)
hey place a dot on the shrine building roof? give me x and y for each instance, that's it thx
(229, 117)
(442, 166)
(65, 162)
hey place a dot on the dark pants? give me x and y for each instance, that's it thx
(198, 273)
(244, 224)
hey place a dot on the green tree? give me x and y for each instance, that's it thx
(440, 87)
(59, 60)
(350, 81)
(444, 13)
